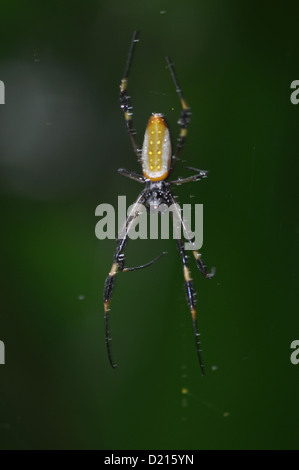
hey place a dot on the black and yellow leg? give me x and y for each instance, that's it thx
(197, 256)
(190, 297)
(201, 266)
(108, 289)
(200, 174)
(118, 265)
(132, 175)
(185, 116)
(125, 102)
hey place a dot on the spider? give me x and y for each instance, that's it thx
(157, 162)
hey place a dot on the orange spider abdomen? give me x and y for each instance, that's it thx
(156, 149)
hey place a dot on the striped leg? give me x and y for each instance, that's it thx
(125, 103)
(118, 265)
(189, 290)
(132, 175)
(190, 296)
(185, 116)
(200, 174)
(202, 267)
(199, 261)
(108, 290)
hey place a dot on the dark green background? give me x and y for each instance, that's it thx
(62, 139)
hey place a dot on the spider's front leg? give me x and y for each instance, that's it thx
(184, 119)
(125, 102)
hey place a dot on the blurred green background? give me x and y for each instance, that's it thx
(62, 139)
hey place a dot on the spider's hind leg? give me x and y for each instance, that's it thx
(190, 297)
(118, 265)
(202, 267)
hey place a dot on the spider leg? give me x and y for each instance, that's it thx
(132, 175)
(184, 119)
(147, 264)
(125, 102)
(202, 267)
(198, 258)
(189, 289)
(190, 296)
(200, 174)
(118, 264)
